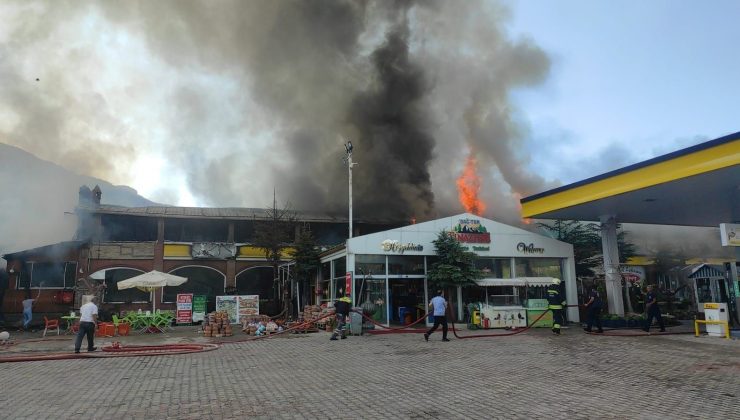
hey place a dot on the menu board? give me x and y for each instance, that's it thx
(184, 308)
(249, 305)
(199, 308)
(228, 304)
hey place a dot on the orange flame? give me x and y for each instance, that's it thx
(468, 186)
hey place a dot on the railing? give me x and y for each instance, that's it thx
(704, 321)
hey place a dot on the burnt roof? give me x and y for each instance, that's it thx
(58, 248)
(233, 213)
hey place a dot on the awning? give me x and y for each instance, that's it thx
(517, 281)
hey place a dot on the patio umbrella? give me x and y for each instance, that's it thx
(151, 281)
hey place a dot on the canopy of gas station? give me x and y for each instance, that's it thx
(696, 186)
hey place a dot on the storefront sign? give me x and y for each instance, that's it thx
(730, 233)
(471, 231)
(184, 308)
(348, 283)
(390, 245)
(634, 274)
(199, 308)
(529, 249)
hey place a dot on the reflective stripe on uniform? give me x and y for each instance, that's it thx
(555, 307)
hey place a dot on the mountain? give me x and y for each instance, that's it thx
(36, 197)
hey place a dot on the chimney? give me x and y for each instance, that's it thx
(96, 194)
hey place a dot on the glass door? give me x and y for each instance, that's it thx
(371, 296)
(406, 300)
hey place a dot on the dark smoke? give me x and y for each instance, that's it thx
(246, 97)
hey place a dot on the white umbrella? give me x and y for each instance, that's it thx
(150, 281)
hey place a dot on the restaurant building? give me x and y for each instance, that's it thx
(386, 272)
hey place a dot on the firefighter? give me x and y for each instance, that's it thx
(341, 307)
(556, 303)
(653, 311)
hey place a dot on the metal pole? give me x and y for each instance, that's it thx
(349, 164)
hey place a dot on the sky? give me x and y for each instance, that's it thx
(225, 103)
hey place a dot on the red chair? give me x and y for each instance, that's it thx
(51, 325)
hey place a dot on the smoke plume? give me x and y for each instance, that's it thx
(228, 100)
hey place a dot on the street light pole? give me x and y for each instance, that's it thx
(348, 148)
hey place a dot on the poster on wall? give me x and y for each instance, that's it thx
(199, 308)
(248, 305)
(184, 313)
(228, 304)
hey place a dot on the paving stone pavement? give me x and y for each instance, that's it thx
(395, 376)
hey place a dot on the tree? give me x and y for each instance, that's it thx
(455, 266)
(587, 248)
(306, 255)
(586, 241)
(273, 235)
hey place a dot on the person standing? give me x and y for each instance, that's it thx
(88, 321)
(439, 306)
(556, 303)
(28, 309)
(652, 309)
(593, 306)
(341, 309)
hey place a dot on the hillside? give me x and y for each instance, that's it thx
(35, 194)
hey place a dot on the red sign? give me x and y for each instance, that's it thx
(184, 314)
(474, 238)
(348, 283)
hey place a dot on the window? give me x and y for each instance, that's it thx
(194, 230)
(129, 228)
(46, 275)
(497, 268)
(370, 265)
(326, 271)
(406, 265)
(538, 267)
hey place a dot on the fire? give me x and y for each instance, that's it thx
(468, 186)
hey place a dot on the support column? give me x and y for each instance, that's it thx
(613, 277)
(158, 263)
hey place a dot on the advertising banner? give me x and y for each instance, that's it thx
(199, 308)
(184, 314)
(228, 304)
(248, 305)
(348, 283)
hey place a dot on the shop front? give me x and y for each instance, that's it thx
(386, 272)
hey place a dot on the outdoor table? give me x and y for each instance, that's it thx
(70, 321)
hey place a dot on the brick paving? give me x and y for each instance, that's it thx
(388, 376)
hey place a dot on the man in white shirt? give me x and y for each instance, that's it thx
(439, 305)
(88, 320)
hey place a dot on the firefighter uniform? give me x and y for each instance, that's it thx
(556, 303)
(341, 307)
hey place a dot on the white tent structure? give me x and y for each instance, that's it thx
(151, 281)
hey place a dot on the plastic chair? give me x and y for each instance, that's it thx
(50, 325)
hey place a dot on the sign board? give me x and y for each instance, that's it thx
(238, 306)
(228, 304)
(248, 305)
(184, 314)
(348, 283)
(730, 234)
(199, 308)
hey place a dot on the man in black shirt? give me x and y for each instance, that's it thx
(653, 311)
(593, 306)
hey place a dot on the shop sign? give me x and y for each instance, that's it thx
(184, 308)
(390, 245)
(529, 249)
(348, 283)
(471, 231)
(634, 274)
(199, 308)
(730, 234)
